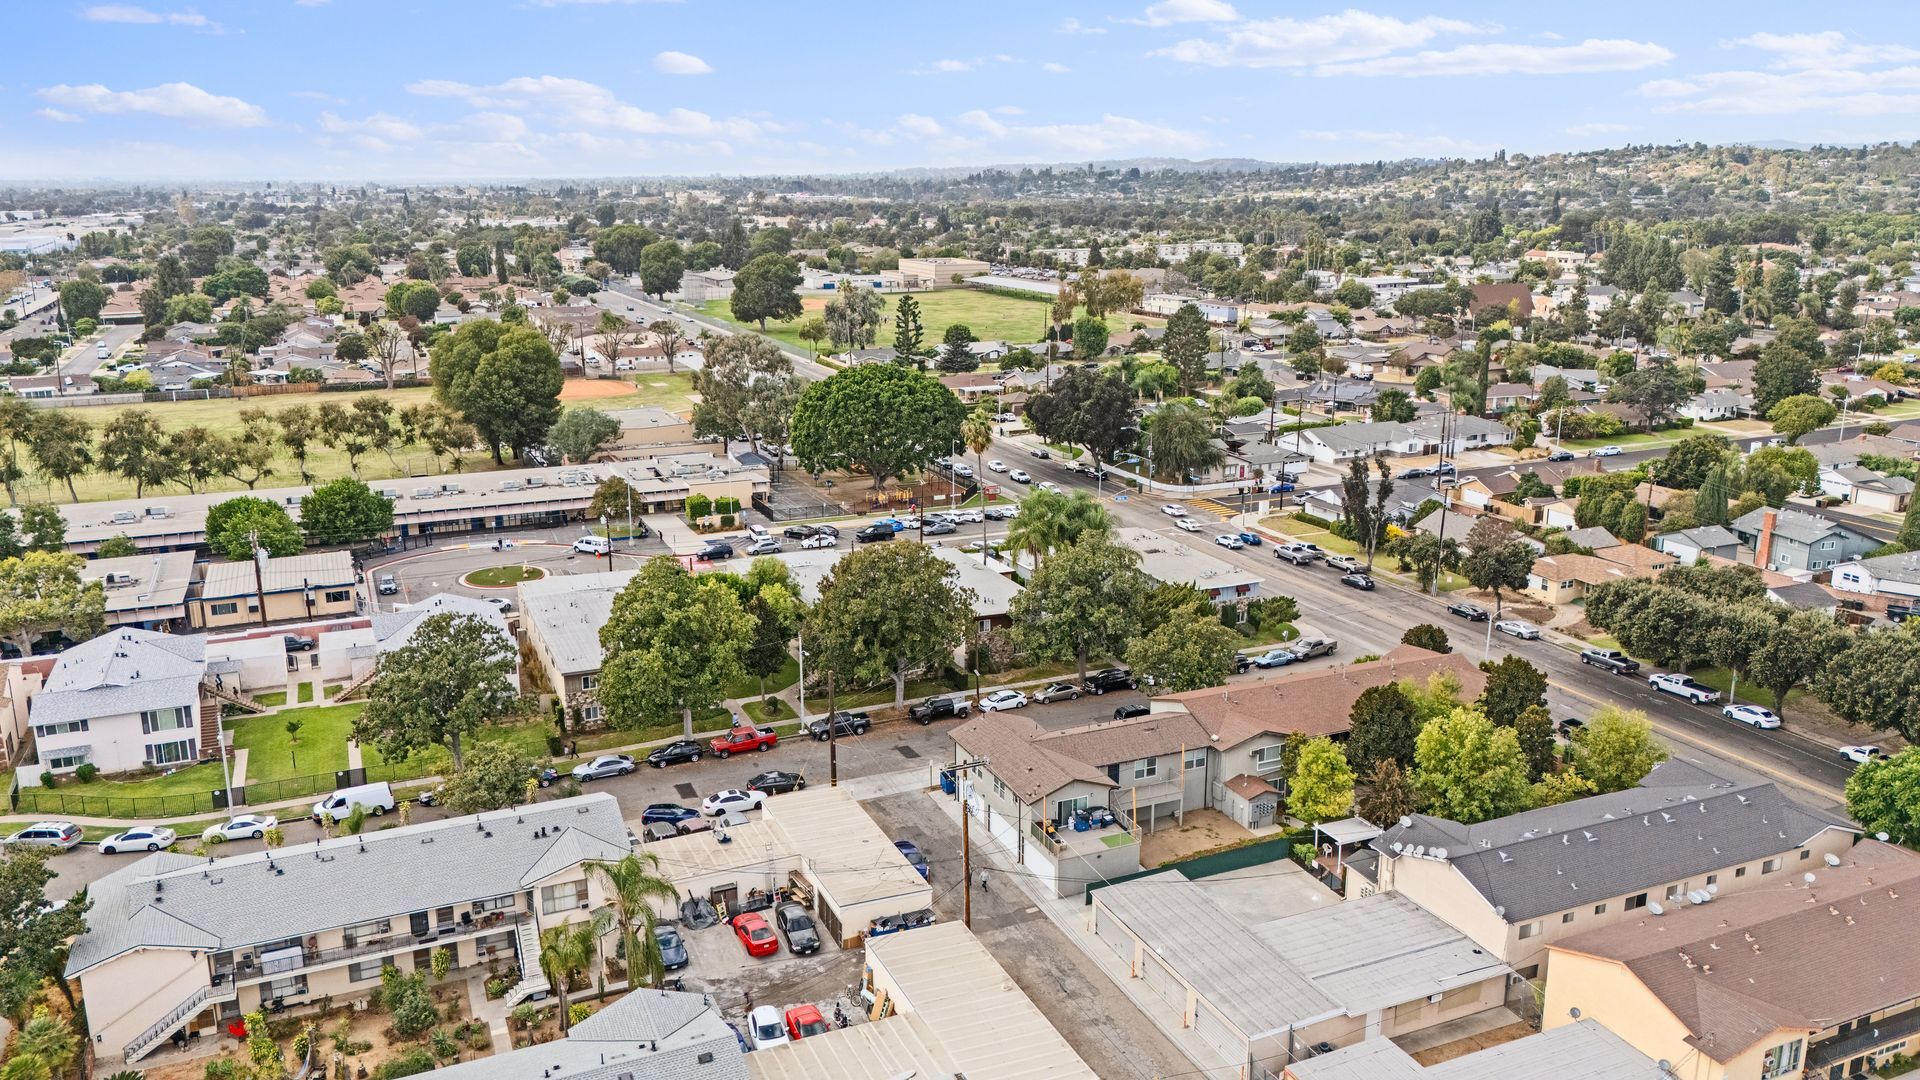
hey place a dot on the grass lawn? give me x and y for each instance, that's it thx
(780, 711)
(991, 317)
(1721, 679)
(271, 754)
(222, 415)
(271, 697)
(1314, 534)
(306, 692)
(749, 687)
(883, 695)
(1640, 441)
(499, 577)
(1271, 634)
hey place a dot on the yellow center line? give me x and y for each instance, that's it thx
(1716, 749)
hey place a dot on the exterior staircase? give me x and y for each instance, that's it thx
(357, 685)
(231, 695)
(533, 981)
(170, 1023)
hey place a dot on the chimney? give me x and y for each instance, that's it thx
(1763, 545)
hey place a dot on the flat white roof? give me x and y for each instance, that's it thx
(1165, 559)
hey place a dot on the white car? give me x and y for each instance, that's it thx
(244, 827)
(1683, 687)
(1003, 699)
(1754, 715)
(138, 838)
(963, 469)
(996, 465)
(732, 799)
(500, 603)
(1861, 754)
(1020, 476)
(1174, 510)
(1230, 541)
(1048, 485)
(1187, 524)
(766, 1028)
(819, 540)
(1606, 451)
(971, 517)
(1518, 628)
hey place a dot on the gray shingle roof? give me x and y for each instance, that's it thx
(1795, 525)
(173, 900)
(647, 1035)
(121, 672)
(1679, 823)
(392, 629)
(1708, 536)
(567, 613)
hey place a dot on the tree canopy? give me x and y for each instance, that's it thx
(672, 643)
(454, 675)
(345, 511)
(884, 419)
(886, 611)
(504, 379)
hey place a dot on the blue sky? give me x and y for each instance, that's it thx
(488, 89)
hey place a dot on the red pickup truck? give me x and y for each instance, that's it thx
(744, 738)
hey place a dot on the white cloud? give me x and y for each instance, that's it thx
(1883, 92)
(57, 116)
(577, 105)
(175, 101)
(679, 63)
(977, 135)
(318, 95)
(1075, 26)
(1503, 58)
(1171, 12)
(1301, 43)
(1827, 49)
(946, 67)
(914, 125)
(1596, 128)
(1009, 110)
(377, 132)
(139, 16)
(1400, 144)
(1055, 69)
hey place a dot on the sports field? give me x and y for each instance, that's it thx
(991, 317)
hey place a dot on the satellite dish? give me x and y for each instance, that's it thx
(1832, 859)
(1438, 853)
(1407, 823)
(1807, 877)
(1696, 897)
(1880, 836)
(1713, 890)
(1655, 908)
(1396, 847)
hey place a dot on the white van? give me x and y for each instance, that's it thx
(594, 545)
(377, 798)
(758, 533)
(101, 351)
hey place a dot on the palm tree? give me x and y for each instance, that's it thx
(632, 885)
(976, 430)
(1180, 440)
(1037, 528)
(1081, 516)
(567, 950)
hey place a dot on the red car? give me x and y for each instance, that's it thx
(755, 935)
(805, 1020)
(744, 738)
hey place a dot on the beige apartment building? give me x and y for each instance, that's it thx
(179, 944)
(296, 588)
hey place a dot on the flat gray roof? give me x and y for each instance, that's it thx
(289, 574)
(1163, 558)
(152, 581)
(567, 611)
(1584, 1050)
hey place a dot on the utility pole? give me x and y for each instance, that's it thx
(966, 836)
(259, 574)
(833, 744)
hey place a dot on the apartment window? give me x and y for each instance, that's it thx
(169, 753)
(165, 720)
(365, 971)
(226, 609)
(282, 989)
(1528, 930)
(497, 903)
(1739, 871)
(1146, 767)
(591, 713)
(1782, 1060)
(1636, 901)
(1675, 890)
(365, 932)
(589, 682)
(1196, 759)
(1267, 757)
(999, 789)
(66, 728)
(1458, 996)
(72, 759)
(1826, 545)
(563, 897)
(1770, 866)
(339, 596)
(1599, 909)
(1713, 879)
(1805, 855)
(1566, 918)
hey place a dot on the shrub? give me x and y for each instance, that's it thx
(556, 746)
(355, 821)
(46, 779)
(406, 999)
(87, 773)
(698, 506)
(1315, 520)
(444, 1046)
(1303, 854)
(497, 988)
(412, 1063)
(222, 1069)
(528, 1014)
(578, 1011)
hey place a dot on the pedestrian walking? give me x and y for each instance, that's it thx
(749, 996)
(983, 881)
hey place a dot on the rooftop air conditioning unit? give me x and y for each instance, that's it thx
(510, 485)
(425, 492)
(451, 489)
(159, 512)
(536, 482)
(119, 581)
(125, 517)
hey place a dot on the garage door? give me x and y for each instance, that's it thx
(1109, 930)
(1214, 1031)
(1161, 981)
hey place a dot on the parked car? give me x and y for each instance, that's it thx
(715, 551)
(1518, 628)
(918, 861)
(777, 782)
(296, 643)
(1611, 659)
(1357, 581)
(755, 935)
(138, 838)
(1274, 658)
(375, 798)
(386, 584)
(1020, 476)
(742, 738)
(840, 725)
(996, 465)
(1003, 699)
(1296, 554)
(1683, 687)
(766, 1028)
(819, 540)
(1128, 712)
(805, 1020)
(1280, 488)
(877, 531)
(797, 925)
(1560, 455)
(1040, 454)
(1567, 726)
(1048, 485)
(673, 951)
(893, 924)
(769, 546)
(738, 799)
(801, 532)
(671, 754)
(1060, 691)
(1469, 612)
(58, 835)
(937, 528)
(1860, 755)
(1415, 472)
(1250, 539)
(610, 765)
(667, 813)
(1605, 451)
(1308, 648)
(1111, 679)
(696, 913)
(593, 545)
(1230, 541)
(926, 712)
(244, 827)
(1753, 716)
(1346, 564)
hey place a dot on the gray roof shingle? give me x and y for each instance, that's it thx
(122, 672)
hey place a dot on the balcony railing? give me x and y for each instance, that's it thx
(252, 968)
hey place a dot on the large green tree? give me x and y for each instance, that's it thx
(1185, 345)
(882, 418)
(41, 593)
(766, 288)
(661, 265)
(1884, 796)
(583, 431)
(1466, 769)
(505, 380)
(453, 676)
(1190, 650)
(1321, 785)
(134, 446)
(635, 888)
(1381, 727)
(235, 526)
(1088, 409)
(672, 643)
(345, 511)
(1083, 602)
(1616, 748)
(1795, 416)
(1496, 558)
(33, 932)
(908, 332)
(1181, 442)
(1781, 372)
(887, 611)
(622, 246)
(1875, 682)
(1513, 687)
(493, 777)
(747, 390)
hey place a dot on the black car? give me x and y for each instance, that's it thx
(676, 752)
(797, 925)
(1569, 725)
(1357, 581)
(1041, 454)
(673, 951)
(926, 712)
(1128, 712)
(1469, 612)
(775, 782)
(877, 531)
(1111, 679)
(714, 552)
(800, 532)
(1242, 663)
(1560, 455)
(296, 643)
(937, 528)
(839, 724)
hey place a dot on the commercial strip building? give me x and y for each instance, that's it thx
(950, 1010)
(817, 842)
(1817, 975)
(1261, 993)
(148, 591)
(1582, 1050)
(175, 943)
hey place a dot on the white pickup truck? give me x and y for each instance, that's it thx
(1682, 686)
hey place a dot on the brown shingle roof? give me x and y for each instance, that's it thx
(1248, 786)
(1792, 955)
(1029, 769)
(1312, 703)
(1585, 569)
(1636, 556)
(1111, 742)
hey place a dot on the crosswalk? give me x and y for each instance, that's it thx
(1213, 506)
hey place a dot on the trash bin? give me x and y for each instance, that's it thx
(946, 782)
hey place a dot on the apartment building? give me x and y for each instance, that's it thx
(178, 943)
(126, 700)
(297, 587)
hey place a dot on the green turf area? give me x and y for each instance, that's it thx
(271, 753)
(1118, 840)
(780, 711)
(499, 577)
(1272, 634)
(274, 698)
(991, 317)
(747, 686)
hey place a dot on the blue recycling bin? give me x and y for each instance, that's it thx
(946, 782)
